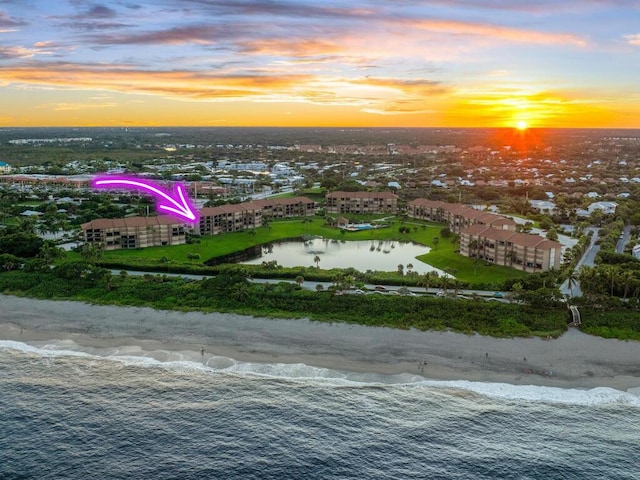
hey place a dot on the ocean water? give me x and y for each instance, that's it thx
(80, 413)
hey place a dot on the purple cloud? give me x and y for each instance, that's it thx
(7, 22)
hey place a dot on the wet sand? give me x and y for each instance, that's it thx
(575, 360)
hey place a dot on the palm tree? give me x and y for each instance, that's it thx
(516, 292)
(612, 274)
(316, 260)
(409, 268)
(450, 272)
(90, 252)
(400, 269)
(299, 280)
(588, 278)
(572, 280)
(42, 228)
(425, 280)
(49, 252)
(473, 247)
(627, 281)
(457, 286)
(445, 283)
(436, 240)
(342, 282)
(27, 225)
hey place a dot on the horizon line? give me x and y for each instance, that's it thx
(315, 127)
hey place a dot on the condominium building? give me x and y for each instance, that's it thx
(456, 215)
(286, 207)
(139, 232)
(230, 218)
(134, 232)
(361, 202)
(530, 253)
(246, 215)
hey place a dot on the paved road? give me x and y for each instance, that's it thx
(624, 239)
(587, 259)
(368, 288)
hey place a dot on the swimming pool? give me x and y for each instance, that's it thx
(354, 227)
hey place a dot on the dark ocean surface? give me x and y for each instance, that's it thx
(67, 412)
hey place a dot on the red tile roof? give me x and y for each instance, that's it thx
(267, 202)
(385, 194)
(230, 208)
(520, 239)
(423, 202)
(252, 205)
(105, 223)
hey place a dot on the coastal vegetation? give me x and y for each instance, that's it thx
(233, 292)
(533, 313)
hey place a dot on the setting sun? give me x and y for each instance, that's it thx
(521, 125)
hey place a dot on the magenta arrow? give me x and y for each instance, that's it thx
(176, 205)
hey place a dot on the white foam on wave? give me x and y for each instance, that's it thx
(130, 355)
(308, 373)
(45, 350)
(535, 393)
(195, 362)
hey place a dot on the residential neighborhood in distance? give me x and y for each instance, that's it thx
(482, 184)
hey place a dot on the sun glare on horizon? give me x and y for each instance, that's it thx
(521, 125)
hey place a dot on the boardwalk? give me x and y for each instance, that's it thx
(575, 315)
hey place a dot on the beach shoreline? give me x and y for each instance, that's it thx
(574, 360)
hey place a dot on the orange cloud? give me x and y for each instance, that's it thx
(304, 47)
(633, 39)
(173, 83)
(496, 32)
(374, 93)
(61, 107)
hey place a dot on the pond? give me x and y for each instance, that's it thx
(365, 255)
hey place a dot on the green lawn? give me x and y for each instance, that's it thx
(10, 221)
(442, 257)
(467, 269)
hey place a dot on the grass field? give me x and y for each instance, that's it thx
(442, 257)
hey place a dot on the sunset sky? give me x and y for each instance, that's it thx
(468, 63)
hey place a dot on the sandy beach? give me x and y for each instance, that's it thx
(575, 360)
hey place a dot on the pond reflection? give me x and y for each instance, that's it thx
(365, 255)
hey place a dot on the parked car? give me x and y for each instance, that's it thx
(357, 291)
(498, 295)
(380, 288)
